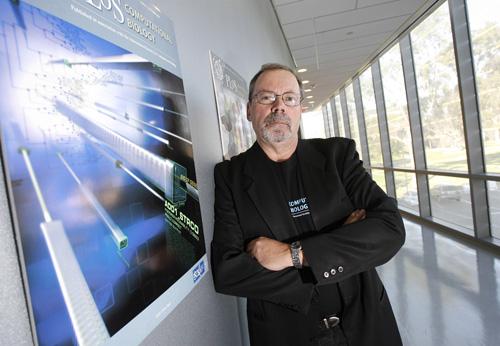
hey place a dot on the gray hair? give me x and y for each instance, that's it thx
(273, 67)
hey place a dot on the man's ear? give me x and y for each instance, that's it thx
(249, 117)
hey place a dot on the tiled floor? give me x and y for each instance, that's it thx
(442, 292)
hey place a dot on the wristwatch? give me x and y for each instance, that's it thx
(295, 248)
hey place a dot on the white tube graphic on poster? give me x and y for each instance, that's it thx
(85, 318)
(118, 236)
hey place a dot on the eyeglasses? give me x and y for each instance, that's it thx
(268, 98)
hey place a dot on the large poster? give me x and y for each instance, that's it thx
(231, 95)
(99, 162)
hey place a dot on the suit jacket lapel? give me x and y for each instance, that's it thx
(264, 189)
(320, 185)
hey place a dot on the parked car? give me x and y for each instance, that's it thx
(445, 191)
(411, 197)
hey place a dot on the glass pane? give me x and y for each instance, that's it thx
(312, 125)
(330, 119)
(339, 116)
(437, 85)
(406, 190)
(353, 117)
(325, 120)
(484, 18)
(379, 176)
(494, 203)
(396, 108)
(371, 119)
(450, 200)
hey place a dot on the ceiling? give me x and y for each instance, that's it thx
(333, 39)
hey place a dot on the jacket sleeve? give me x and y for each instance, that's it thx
(235, 272)
(337, 253)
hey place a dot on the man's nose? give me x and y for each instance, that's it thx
(278, 105)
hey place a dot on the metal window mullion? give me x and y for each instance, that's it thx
(415, 125)
(358, 100)
(325, 121)
(470, 112)
(345, 113)
(384, 129)
(335, 119)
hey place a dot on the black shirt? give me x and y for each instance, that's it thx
(326, 299)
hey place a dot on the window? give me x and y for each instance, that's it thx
(353, 118)
(371, 120)
(340, 118)
(437, 85)
(494, 203)
(484, 24)
(396, 108)
(440, 115)
(378, 175)
(325, 120)
(450, 201)
(484, 18)
(312, 125)
(330, 119)
(406, 190)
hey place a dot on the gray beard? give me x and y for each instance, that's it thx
(274, 135)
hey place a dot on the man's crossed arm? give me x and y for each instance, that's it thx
(275, 255)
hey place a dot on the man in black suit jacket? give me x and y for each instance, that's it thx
(300, 227)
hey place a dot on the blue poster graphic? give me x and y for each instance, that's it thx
(97, 150)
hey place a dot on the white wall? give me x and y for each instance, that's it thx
(245, 34)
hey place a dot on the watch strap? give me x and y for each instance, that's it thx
(295, 248)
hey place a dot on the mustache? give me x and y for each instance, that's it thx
(277, 117)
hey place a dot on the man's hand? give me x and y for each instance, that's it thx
(357, 215)
(271, 254)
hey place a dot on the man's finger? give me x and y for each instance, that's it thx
(357, 215)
